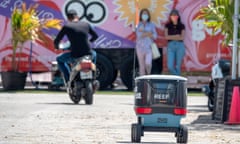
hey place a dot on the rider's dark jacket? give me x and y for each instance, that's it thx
(77, 33)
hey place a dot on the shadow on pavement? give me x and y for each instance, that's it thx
(125, 142)
(205, 119)
(71, 104)
(205, 122)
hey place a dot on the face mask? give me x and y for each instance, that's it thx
(145, 17)
(174, 18)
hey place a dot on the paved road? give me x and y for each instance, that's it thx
(53, 119)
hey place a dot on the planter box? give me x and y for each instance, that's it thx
(13, 80)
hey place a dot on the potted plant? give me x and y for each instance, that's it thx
(219, 15)
(25, 26)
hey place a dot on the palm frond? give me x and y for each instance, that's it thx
(218, 15)
(26, 25)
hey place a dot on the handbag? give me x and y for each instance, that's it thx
(155, 52)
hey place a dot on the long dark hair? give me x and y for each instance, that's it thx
(148, 12)
(174, 12)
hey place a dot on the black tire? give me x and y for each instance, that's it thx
(182, 136)
(136, 132)
(89, 93)
(75, 99)
(105, 71)
(210, 105)
(115, 74)
(126, 72)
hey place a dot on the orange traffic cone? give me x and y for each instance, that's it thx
(234, 114)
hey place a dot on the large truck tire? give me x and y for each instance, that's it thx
(115, 75)
(105, 71)
(126, 72)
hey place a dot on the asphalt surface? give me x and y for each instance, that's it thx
(51, 118)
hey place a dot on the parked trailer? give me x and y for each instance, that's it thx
(115, 22)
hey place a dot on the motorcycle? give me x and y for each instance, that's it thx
(220, 70)
(82, 82)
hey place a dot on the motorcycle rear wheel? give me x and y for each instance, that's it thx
(89, 93)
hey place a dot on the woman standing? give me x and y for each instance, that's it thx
(146, 33)
(174, 33)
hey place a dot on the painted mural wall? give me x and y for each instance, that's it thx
(115, 21)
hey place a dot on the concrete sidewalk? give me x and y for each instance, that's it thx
(29, 118)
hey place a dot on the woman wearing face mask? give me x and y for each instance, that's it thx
(174, 33)
(146, 33)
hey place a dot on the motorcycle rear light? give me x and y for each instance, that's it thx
(180, 111)
(142, 110)
(86, 65)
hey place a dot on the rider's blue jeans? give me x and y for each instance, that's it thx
(63, 66)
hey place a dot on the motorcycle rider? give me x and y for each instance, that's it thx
(77, 33)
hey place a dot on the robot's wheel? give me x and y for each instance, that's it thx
(182, 135)
(136, 133)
